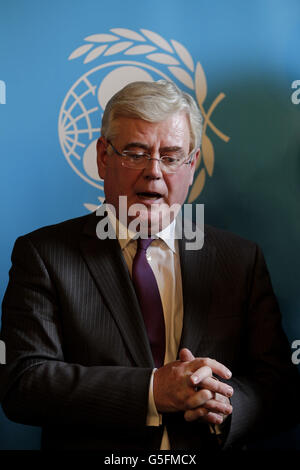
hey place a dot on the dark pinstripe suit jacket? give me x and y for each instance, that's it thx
(78, 358)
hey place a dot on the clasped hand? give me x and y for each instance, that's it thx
(188, 385)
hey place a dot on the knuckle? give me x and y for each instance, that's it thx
(219, 387)
(205, 394)
(188, 404)
(216, 418)
(220, 398)
(197, 412)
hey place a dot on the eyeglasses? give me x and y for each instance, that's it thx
(139, 160)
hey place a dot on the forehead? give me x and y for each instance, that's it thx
(173, 130)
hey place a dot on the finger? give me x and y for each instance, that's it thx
(216, 386)
(186, 355)
(200, 374)
(201, 414)
(217, 406)
(192, 415)
(216, 367)
(199, 399)
(212, 418)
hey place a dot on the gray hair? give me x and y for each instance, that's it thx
(152, 102)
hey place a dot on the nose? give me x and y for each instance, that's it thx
(152, 169)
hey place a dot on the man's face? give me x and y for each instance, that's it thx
(150, 186)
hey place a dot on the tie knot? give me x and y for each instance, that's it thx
(143, 243)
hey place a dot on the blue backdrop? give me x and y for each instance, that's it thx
(60, 62)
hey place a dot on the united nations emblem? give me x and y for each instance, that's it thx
(125, 56)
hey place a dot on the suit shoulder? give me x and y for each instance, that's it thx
(68, 229)
(222, 234)
(224, 240)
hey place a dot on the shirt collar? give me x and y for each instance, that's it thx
(125, 236)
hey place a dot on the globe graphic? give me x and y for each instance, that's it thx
(82, 108)
(81, 113)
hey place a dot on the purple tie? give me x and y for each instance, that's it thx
(150, 302)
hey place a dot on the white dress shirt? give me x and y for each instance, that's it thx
(163, 257)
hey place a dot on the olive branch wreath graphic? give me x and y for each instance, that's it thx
(179, 63)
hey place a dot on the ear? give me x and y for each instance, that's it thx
(102, 156)
(194, 165)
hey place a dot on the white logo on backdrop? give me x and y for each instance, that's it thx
(126, 56)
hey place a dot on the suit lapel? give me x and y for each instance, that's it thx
(109, 270)
(197, 269)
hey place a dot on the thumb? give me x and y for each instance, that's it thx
(186, 355)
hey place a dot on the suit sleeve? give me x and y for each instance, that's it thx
(267, 391)
(37, 385)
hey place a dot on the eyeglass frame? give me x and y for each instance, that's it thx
(148, 158)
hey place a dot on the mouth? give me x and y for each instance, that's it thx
(149, 195)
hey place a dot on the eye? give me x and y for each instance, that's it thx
(169, 160)
(134, 155)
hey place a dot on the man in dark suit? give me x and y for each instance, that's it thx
(112, 344)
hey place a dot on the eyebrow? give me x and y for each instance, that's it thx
(148, 148)
(171, 149)
(136, 144)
